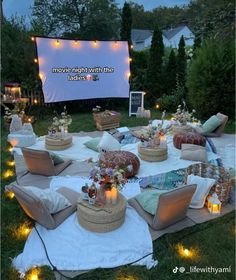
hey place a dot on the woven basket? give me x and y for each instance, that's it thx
(222, 186)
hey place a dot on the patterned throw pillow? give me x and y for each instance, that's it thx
(165, 181)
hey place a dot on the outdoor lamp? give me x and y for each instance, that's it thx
(12, 91)
(214, 204)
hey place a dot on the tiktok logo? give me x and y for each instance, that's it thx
(175, 270)
(180, 269)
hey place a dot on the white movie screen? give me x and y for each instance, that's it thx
(73, 69)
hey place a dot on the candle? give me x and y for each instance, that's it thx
(162, 141)
(114, 194)
(108, 196)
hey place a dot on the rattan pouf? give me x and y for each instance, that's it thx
(152, 154)
(188, 138)
(58, 143)
(101, 219)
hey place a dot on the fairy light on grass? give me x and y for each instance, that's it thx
(22, 232)
(33, 274)
(187, 253)
(10, 195)
(10, 163)
(7, 174)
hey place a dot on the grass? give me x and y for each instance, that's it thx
(212, 242)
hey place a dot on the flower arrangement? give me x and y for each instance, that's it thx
(107, 176)
(182, 116)
(63, 122)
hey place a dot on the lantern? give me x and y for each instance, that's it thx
(213, 204)
(12, 91)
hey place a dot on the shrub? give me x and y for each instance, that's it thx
(211, 79)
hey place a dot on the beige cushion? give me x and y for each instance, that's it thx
(172, 207)
(37, 210)
(193, 152)
(54, 201)
(40, 162)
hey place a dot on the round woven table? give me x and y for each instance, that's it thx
(152, 154)
(101, 219)
(58, 143)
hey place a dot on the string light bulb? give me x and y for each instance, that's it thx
(35, 60)
(131, 46)
(10, 195)
(57, 42)
(10, 149)
(29, 120)
(32, 39)
(186, 252)
(34, 277)
(11, 163)
(35, 101)
(41, 76)
(157, 106)
(95, 42)
(7, 174)
(130, 59)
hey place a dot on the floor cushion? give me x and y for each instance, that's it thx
(188, 138)
(193, 152)
(121, 159)
(211, 124)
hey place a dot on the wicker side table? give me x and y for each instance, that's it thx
(107, 120)
(152, 154)
(58, 143)
(101, 219)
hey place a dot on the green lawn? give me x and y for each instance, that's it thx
(213, 242)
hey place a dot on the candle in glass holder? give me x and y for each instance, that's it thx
(163, 143)
(114, 194)
(108, 196)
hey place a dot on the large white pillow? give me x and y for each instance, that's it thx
(53, 201)
(108, 143)
(203, 187)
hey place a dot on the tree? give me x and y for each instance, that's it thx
(181, 63)
(211, 79)
(154, 71)
(84, 19)
(171, 73)
(18, 54)
(126, 23)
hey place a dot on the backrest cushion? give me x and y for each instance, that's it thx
(32, 206)
(172, 206)
(38, 162)
(211, 124)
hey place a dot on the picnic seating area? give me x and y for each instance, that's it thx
(157, 195)
(118, 140)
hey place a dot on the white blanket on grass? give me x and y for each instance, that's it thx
(173, 162)
(71, 247)
(80, 152)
